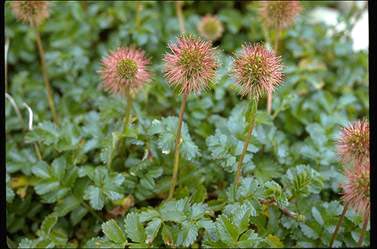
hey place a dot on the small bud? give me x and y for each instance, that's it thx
(210, 28)
(279, 14)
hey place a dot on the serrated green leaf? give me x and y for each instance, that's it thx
(66, 205)
(167, 235)
(317, 216)
(41, 169)
(113, 232)
(308, 231)
(48, 223)
(169, 212)
(228, 232)
(95, 197)
(152, 229)
(134, 228)
(187, 235)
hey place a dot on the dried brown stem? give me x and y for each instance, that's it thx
(50, 95)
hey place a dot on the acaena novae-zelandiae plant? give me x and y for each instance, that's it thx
(353, 147)
(123, 72)
(277, 16)
(34, 13)
(210, 27)
(190, 66)
(257, 71)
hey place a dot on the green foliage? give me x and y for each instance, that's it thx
(68, 197)
(106, 186)
(166, 130)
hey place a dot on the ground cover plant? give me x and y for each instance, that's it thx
(184, 124)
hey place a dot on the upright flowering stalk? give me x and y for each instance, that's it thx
(34, 13)
(181, 20)
(190, 66)
(258, 71)
(278, 15)
(124, 71)
(353, 147)
(210, 28)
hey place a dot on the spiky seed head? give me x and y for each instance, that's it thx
(353, 144)
(210, 27)
(257, 70)
(279, 14)
(191, 64)
(31, 12)
(125, 68)
(356, 191)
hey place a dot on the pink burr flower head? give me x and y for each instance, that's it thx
(353, 144)
(279, 14)
(32, 12)
(257, 70)
(356, 191)
(191, 64)
(210, 27)
(125, 68)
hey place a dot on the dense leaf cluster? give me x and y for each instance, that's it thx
(66, 196)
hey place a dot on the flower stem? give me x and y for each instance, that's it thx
(45, 76)
(128, 111)
(253, 110)
(177, 145)
(126, 121)
(345, 208)
(178, 8)
(139, 7)
(365, 224)
(276, 47)
(84, 5)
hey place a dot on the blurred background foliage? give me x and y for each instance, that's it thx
(66, 196)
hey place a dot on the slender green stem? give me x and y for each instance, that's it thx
(253, 110)
(266, 36)
(345, 208)
(277, 39)
(177, 145)
(84, 5)
(128, 110)
(139, 7)
(126, 121)
(276, 47)
(178, 8)
(365, 224)
(285, 211)
(181, 20)
(50, 97)
(87, 207)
